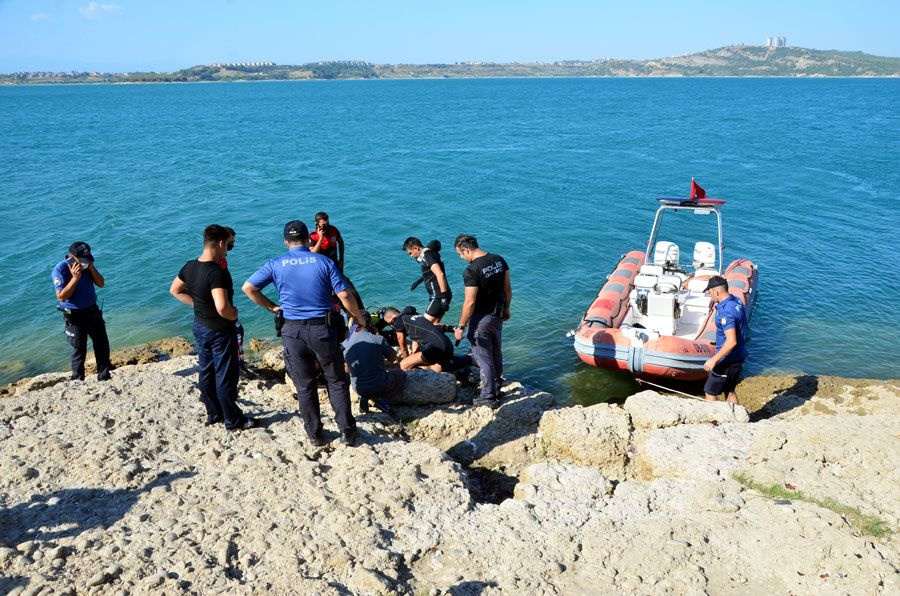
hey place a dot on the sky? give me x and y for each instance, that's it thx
(166, 35)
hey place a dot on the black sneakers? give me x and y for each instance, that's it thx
(491, 402)
(316, 440)
(210, 420)
(244, 424)
(348, 438)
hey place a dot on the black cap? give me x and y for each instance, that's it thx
(716, 281)
(296, 230)
(81, 250)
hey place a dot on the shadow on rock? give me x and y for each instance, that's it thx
(8, 584)
(472, 588)
(69, 512)
(804, 388)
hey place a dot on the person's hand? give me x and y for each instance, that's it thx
(76, 269)
(709, 365)
(506, 314)
(361, 321)
(276, 309)
(458, 333)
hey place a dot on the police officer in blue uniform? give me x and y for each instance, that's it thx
(725, 366)
(74, 279)
(306, 282)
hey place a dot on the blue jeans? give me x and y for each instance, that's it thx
(219, 371)
(485, 335)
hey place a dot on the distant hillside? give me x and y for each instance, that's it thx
(729, 61)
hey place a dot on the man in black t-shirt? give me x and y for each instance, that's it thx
(486, 306)
(203, 284)
(433, 276)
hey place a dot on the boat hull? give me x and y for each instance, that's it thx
(600, 342)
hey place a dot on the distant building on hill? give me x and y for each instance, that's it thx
(776, 42)
(240, 64)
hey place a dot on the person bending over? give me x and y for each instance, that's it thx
(365, 354)
(435, 348)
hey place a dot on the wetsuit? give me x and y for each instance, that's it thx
(433, 342)
(438, 302)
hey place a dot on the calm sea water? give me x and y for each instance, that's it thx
(559, 176)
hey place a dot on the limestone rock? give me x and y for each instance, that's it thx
(428, 387)
(649, 409)
(597, 436)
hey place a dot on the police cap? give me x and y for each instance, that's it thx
(81, 250)
(296, 231)
(716, 281)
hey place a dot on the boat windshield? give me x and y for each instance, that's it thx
(685, 227)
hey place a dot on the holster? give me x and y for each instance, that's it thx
(279, 322)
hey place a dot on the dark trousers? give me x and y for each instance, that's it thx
(219, 370)
(392, 390)
(81, 324)
(485, 335)
(304, 345)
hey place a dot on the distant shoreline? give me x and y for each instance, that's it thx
(461, 78)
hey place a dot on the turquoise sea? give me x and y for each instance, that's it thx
(557, 175)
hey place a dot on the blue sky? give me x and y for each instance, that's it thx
(128, 35)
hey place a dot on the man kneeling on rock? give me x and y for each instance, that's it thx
(435, 349)
(365, 354)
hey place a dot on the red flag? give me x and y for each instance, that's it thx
(697, 191)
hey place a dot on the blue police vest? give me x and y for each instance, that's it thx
(305, 282)
(731, 314)
(84, 295)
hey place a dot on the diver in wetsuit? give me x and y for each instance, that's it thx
(435, 348)
(433, 276)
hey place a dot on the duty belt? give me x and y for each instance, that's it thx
(314, 321)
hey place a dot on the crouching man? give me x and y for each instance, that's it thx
(365, 355)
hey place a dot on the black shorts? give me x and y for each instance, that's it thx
(435, 308)
(435, 354)
(723, 378)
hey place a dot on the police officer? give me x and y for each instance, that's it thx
(725, 366)
(305, 282)
(74, 279)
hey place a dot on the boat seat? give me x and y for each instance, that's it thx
(697, 282)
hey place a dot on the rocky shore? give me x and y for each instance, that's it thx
(118, 487)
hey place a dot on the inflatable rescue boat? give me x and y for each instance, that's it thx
(652, 316)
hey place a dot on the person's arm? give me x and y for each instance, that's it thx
(178, 289)
(401, 343)
(225, 309)
(95, 276)
(66, 291)
(507, 291)
(468, 309)
(316, 246)
(390, 354)
(440, 276)
(257, 297)
(352, 307)
(340, 246)
(730, 343)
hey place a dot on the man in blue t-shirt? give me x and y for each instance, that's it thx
(306, 282)
(74, 279)
(725, 366)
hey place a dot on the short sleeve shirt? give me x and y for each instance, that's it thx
(365, 353)
(85, 294)
(420, 329)
(487, 273)
(731, 314)
(201, 278)
(306, 282)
